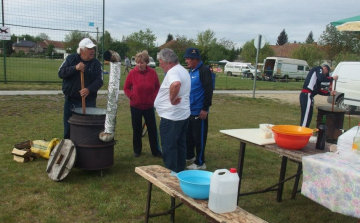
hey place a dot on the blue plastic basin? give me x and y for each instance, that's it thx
(195, 183)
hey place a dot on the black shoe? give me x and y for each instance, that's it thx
(136, 154)
(158, 155)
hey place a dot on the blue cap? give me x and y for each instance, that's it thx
(192, 52)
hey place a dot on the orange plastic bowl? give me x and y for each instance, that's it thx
(291, 137)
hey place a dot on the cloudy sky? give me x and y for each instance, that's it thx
(236, 20)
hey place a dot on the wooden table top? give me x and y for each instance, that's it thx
(162, 178)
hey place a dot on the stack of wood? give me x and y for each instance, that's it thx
(22, 152)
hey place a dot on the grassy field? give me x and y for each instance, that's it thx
(41, 74)
(28, 195)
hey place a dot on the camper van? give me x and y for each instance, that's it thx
(280, 67)
(240, 69)
(347, 86)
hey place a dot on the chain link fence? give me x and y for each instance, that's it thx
(43, 33)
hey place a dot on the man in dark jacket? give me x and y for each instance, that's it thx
(200, 101)
(70, 70)
(312, 87)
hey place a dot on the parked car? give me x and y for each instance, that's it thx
(151, 63)
(347, 86)
(241, 69)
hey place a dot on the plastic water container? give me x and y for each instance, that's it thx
(223, 191)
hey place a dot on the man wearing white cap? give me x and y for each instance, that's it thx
(70, 70)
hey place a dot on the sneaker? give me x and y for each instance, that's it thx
(196, 167)
(191, 160)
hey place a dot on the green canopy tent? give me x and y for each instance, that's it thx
(349, 24)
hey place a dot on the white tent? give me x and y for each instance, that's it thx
(223, 61)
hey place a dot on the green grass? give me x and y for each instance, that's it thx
(41, 74)
(27, 194)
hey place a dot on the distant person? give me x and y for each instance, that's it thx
(312, 86)
(213, 75)
(127, 65)
(69, 71)
(269, 73)
(141, 87)
(173, 106)
(200, 101)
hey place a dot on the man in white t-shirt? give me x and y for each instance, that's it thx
(173, 106)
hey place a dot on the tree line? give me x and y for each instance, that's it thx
(333, 45)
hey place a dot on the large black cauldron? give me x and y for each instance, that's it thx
(91, 152)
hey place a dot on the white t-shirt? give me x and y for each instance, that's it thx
(163, 106)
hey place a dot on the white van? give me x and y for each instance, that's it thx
(347, 86)
(132, 61)
(280, 67)
(151, 63)
(240, 69)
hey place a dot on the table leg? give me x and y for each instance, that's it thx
(297, 179)
(172, 215)
(148, 200)
(240, 165)
(281, 178)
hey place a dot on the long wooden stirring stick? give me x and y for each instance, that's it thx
(333, 102)
(82, 97)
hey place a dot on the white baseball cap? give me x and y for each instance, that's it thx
(86, 42)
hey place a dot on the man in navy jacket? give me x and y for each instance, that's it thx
(70, 70)
(312, 87)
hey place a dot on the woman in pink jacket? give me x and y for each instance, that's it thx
(141, 87)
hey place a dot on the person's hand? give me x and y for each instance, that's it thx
(84, 92)
(80, 67)
(176, 101)
(203, 115)
(333, 93)
(335, 77)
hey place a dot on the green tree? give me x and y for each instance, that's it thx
(336, 42)
(107, 40)
(169, 38)
(310, 38)
(42, 37)
(344, 56)
(282, 38)
(140, 41)
(50, 49)
(180, 45)
(72, 40)
(310, 53)
(120, 47)
(205, 40)
(248, 52)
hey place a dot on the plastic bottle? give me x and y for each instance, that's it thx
(223, 194)
(321, 138)
(356, 145)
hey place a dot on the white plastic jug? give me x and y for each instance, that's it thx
(223, 191)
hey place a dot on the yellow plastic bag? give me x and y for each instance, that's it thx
(43, 147)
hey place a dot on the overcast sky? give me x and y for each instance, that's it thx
(236, 20)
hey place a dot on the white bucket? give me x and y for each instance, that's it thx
(223, 191)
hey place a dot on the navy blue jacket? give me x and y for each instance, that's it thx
(312, 83)
(93, 78)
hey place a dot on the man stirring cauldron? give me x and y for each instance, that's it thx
(82, 61)
(312, 87)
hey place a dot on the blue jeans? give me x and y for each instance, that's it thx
(173, 143)
(69, 106)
